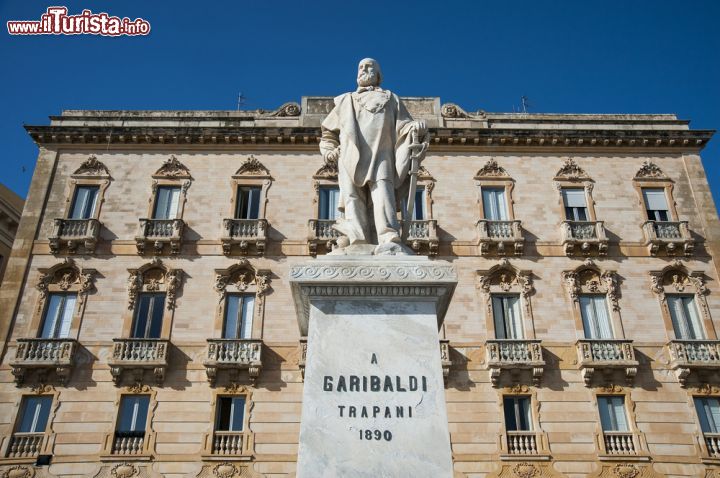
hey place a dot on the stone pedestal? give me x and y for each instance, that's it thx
(374, 400)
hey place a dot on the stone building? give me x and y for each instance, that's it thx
(11, 206)
(151, 330)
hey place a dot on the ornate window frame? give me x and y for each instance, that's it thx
(678, 279)
(248, 445)
(251, 173)
(326, 176)
(572, 176)
(505, 278)
(171, 173)
(588, 278)
(153, 276)
(92, 172)
(521, 390)
(630, 413)
(65, 276)
(495, 176)
(241, 278)
(48, 440)
(150, 433)
(651, 176)
(704, 390)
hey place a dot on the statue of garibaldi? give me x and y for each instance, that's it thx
(376, 144)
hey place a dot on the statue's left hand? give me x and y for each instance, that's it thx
(420, 128)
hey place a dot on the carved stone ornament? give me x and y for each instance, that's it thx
(571, 171)
(650, 170)
(504, 277)
(24, 471)
(626, 470)
(92, 167)
(228, 469)
(172, 168)
(588, 278)
(153, 277)
(451, 110)
(126, 470)
(66, 276)
(329, 170)
(252, 167)
(526, 470)
(491, 170)
(288, 109)
(243, 276)
(676, 278)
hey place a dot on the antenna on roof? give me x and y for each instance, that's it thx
(241, 100)
(525, 103)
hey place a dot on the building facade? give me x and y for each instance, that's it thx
(151, 331)
(11, 206)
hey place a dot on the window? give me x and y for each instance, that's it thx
(34, 413)
(230, 414)
(248, 202)
(517, 414)
(148, 316)
(612, 414)
(238, 316)
(494, 204)
(83, 206)
(575, 205)
(656, 204)
(708, 410)
(58, 315)
(329, 197)
(595, 317)
(166, 202)
(133, 415)
(419, 205)
(507, 317)
(685, 317)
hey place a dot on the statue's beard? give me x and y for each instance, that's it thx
(367, 79)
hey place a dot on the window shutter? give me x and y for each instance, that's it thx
(618, 407)
(67, 315)
(52, 315)
(514, 318)
(574, 197)
(231, 317)
(498, 306)
(247, 316)
(174, 203)
(677, 316)
(588, 317)
(695, 327)
(655, 199)
(603, 319)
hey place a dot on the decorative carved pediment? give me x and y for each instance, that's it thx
(329, 170)
(243, 277)
(288, 109)
(228, 469)
(92, 167)
(451, 110)
(507, 278)
(571, 171)
(173, 169)
(66, 276)
(676, 278)
(154, 277)
(491, 170)
(252, 167)
(650, 170)
(589, 279)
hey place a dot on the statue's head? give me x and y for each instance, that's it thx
(369, 73)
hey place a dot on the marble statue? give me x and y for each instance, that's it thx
(378, 147)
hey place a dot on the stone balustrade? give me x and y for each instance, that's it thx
(321, 232)
(422, 236)
(74, 232)
(158, 233)
(45, 356)
(514, 355)
(584, 237)
(606, 355)
(138, 355)
(500, 237)
(128, 443)
(233, 355)
(712, 443)
(244, 233)
(522, 443)
(673, 237)
(228, 443)
(25, 445)
(620, 443)
(687, 356)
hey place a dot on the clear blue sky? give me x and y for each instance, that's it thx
(566, 56)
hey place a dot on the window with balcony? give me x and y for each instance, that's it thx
(230, 436)
(238, 316)
(131, 425)
(575, 204)
(328, 205)
(708, 412)
(507, 316)
(685, 318)
(167, 200)
(494, 204)
(499, 232)
(230, 415)
(248, 202)
(612, 414)
(521, 438)
(656, 204)
(27, 439)
(84, 202)
(518, 416)
(595, 316)
(58, 316)
(147, 323)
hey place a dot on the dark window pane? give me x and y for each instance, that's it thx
(84, 202)
(133, 413)
(248, 202)
(230, 414)
(148, 316)
(510, 421)
(34, 414)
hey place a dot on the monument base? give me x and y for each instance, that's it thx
(374, 399)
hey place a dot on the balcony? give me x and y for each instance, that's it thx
(500, 237)
(712, 443)
(620, 443)
(244, 233)
(322, 234)
(607, 356)
(700, 356)
(128, 443)
(445, 361)
(671, 236)
(228, 444)
(159, 232)
(233, 355)
(26, 445)
(521, 443)
(584, 237)
(45, 356)
(514, 356)
(422, 236)
(137, 355)
(74, 232)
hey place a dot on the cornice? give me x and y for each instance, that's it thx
(450, 138)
